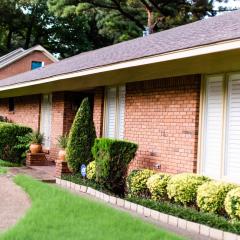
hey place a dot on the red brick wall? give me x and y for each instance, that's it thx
(24, 64)
(27, 110)
(57, 124)
(98, 109)
(162, 117)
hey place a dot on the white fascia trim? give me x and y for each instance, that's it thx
(181, 54)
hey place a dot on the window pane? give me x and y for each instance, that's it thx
(36, 64)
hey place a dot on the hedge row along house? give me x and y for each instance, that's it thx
(176, 93)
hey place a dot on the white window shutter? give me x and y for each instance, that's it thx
(232, 155)
(110, 121)
(46, 118)
(213, 129)
(121, 111)
(115, 112)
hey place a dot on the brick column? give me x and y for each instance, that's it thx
(98, 109)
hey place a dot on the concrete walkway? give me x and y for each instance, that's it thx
(14, 202)
(42, 173)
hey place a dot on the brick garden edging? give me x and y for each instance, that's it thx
(180, 223)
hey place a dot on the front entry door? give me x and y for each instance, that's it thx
(46, 117)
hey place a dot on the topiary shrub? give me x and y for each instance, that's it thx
(91, 170)
(138, 182)
(232, 203)
(157, 185)
(9, 140)
(211, 196)
(81, 138)
(182, 188)
(112, 158)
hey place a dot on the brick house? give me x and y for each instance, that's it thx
(176, 93)
(21, 60)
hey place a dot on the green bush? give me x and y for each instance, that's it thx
(232, 203)
(157, 185)
(9, 139)
(91, 170)
(81, 138)
(112, 158)
(211, 196)
(182, 188)
(138, 182)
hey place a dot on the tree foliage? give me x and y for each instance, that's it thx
(74, 26)
(125, 19)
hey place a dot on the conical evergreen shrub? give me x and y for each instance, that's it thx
(81, 138)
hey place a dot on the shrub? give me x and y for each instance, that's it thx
(9, 134)
(232, 203)
(211, 196)
(157, 185)
(36, 137)
(182, 188)
(112, 158)
(138, 182)
(81, 138)
(62, 141)
(91, 170)
(23, 145)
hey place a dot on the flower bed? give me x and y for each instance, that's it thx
(157, 211)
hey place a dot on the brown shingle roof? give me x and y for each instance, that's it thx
(207, 31)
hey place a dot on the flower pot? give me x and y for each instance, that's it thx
(61, 155)
(35, 148)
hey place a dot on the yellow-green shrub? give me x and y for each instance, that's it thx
(182, 188)
(211, 196)
(137, 182)
(157, 185)
(232, 203)
(91, 170)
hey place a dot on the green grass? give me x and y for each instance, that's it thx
(8, 164)
(3, 170)
(58, 214)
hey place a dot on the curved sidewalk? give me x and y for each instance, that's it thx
(14, 203)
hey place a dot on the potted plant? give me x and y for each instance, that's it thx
(36, 140)
(62, 143)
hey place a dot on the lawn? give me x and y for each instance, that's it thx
(58, 214)
(3, 170)
(8, 164)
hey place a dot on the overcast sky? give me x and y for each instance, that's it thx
(231, 3)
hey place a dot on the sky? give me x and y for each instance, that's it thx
(231, 3)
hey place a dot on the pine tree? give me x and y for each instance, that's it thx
(81, 137)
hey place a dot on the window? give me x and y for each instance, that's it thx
(11, 105)
(36, 64)
(114, 112)
(221, 132)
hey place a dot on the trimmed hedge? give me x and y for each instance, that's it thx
(211, 196)
(137, 182)
(190, 214)
(182, 188)
(232, 203)
(81, 138)
(112, 158)
(9, 134)
(157, 185)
